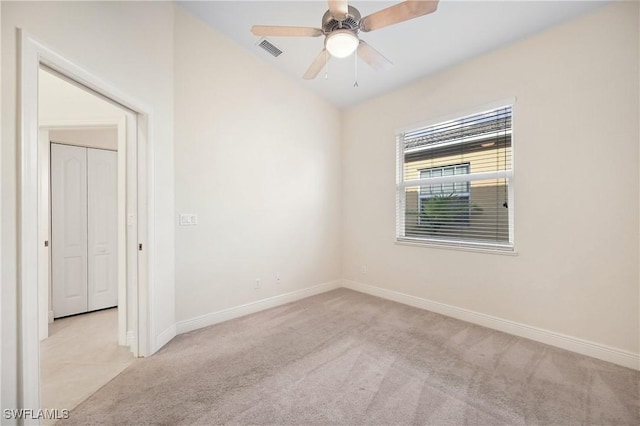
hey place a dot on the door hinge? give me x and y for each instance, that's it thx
(46, 243)
(140, 247)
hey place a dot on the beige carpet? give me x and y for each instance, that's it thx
(347, 358)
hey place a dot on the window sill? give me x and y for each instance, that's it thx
(455, 247)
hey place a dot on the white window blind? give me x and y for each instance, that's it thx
(454, 182)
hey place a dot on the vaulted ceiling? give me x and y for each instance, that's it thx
(457, 31)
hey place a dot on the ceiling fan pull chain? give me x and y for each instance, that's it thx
(355, 55)
(326, 61)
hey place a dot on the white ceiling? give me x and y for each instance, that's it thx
(457, 31)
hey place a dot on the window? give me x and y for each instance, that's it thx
(454, 182)
(455, 195)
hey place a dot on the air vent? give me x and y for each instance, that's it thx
(266, 45)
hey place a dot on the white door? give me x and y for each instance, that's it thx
(102, 169)
(69, 229)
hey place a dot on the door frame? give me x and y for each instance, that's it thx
(33, 55)
(125, 336)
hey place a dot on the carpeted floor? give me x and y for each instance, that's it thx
(347, 358)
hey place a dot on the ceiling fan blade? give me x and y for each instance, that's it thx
(398, 13)
(317, 65)
(372, 57)
(268, 30)
(339, 9)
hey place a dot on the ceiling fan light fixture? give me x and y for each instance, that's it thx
(341, 43)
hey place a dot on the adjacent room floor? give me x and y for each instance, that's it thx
(80, 355)
(344, 357)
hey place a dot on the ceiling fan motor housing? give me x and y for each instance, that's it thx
(351, 22)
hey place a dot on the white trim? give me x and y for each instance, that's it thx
(512, 180)
(252, 307)
(123, 300)
(574, 344)
(29, 343)
(44, 232)
(32, 55)
(146, 231)
(131, 339)
(401, 195)
(452, 245)
(92, 123)
(164, 338)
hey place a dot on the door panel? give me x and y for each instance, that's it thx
(101, 273)
(74, 286)
(69, 229)
(102, 229)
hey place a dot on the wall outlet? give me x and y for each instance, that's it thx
(278, 281)
(257, 284)
(363, 269)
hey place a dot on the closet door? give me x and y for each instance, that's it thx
(103, 232)
(69, 229)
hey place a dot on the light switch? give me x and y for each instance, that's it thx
(188, 219)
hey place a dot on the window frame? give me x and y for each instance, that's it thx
(456, 244)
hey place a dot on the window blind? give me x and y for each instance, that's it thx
(454, 181)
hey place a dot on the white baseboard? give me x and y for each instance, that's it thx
(164, 338)
(574, 344)
(131, 338)
(250, 308)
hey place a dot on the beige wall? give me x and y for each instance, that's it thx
(129, 45)
(576, 183)
(60, 102)
(258, 159)
(63, 104)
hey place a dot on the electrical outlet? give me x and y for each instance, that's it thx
(363, 269)
(188, 219)
(257, 284)
(278, 281)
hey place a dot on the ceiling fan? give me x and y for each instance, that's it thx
(341, 25)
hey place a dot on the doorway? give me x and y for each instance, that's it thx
(134, 221)
(81, 189)
(73, 119)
